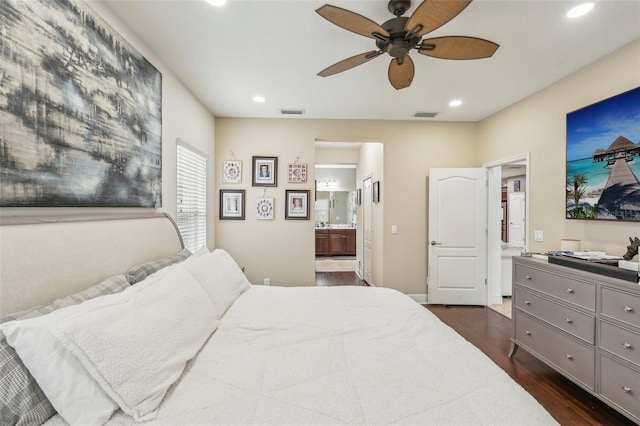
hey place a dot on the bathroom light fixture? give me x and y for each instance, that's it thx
(259, 99)
(217, 2)
(580, 10)
(455, 103)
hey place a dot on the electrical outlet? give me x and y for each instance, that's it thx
(267, 281)
(537, 236)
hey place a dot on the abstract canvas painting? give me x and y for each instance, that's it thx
(80, 111)
(603, 159)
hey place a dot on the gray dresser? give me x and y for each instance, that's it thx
(584, 325)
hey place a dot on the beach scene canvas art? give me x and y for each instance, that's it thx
(603, 159)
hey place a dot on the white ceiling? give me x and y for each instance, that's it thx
(275, 48)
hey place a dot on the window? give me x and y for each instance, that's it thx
(192, 197)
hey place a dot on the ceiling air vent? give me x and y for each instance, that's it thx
(292, 111)
(425, 114)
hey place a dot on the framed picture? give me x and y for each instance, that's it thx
(516, 186)
(603, 154)
(376, 191)
(232, 171)
(297, 204)
(265, 171)
(232, 204)
(359, 196)
(84, 134)
(297, 173)
(264, 208)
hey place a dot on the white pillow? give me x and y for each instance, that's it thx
(134, 344)
(220, 277)
(200, 252)
(164, 271)
(74, 394)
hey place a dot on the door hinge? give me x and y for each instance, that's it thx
(485, 281)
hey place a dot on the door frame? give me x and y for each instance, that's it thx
(366, 218)
(494, 214)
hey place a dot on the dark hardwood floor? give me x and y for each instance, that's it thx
(338, 278)
(490, 332)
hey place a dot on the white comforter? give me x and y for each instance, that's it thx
(340, 355)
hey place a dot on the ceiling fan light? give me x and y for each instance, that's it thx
(580, 10)
(455, 103)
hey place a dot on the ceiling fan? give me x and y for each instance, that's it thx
(399, 35)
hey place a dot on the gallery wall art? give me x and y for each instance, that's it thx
(603, 159)
(80, 111)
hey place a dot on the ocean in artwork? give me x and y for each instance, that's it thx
(598, 174)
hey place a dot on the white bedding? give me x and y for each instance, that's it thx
(339, 355)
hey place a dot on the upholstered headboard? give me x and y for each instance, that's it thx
(44, 258)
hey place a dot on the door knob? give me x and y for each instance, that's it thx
(435, 243)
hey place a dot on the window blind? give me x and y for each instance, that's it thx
(192, 197)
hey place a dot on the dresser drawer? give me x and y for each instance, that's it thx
(570, 290)
(573, 322)
(620, 385)
(619, 305)
(567, 355)
(617, 340)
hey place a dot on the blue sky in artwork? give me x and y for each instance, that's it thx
(599, 125)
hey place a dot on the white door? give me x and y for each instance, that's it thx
(368, 229)
(457, 237)
(516, 219)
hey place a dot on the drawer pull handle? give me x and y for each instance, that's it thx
(527, 277)
(527, 332)
(569, 356)
(569, 321)
(526, 302)
(627, 389)
(628, 309)
(626, 345)
(570, 290)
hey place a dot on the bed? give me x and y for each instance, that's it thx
(191, 342)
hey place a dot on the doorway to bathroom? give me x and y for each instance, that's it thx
(508, 226)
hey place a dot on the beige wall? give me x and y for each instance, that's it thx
(182, 116)
(336, 156)
(410, 149)
(279, 249)
(537, 125)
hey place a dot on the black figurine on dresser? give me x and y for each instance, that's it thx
(632, 249)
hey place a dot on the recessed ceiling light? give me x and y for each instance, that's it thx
(259, 99)
(579, 10)
(455, 103)
(217, 2)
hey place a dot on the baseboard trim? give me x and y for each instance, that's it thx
(419, 298)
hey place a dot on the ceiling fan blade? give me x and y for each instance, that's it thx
(349, 63)
(457, 47)
(432, 14)
(401, 71)
(351, 21)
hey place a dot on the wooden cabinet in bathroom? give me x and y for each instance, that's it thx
(322, 242)
(336, 242)
(342, 242)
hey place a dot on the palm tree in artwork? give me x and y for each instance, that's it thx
(576, 189)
